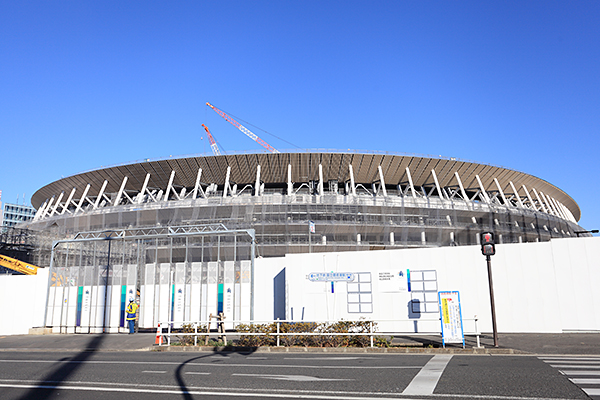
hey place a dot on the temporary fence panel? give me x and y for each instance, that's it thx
(178, 295)
(147, 294)
(245, 289)
(211, 301)
(195, 298)
(164, 292)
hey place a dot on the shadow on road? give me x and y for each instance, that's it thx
(179, 371)
(68, 367)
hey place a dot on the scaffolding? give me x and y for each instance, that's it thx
(171, 271)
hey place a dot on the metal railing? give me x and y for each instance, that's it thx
(221, 332)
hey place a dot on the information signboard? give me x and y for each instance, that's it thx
(451, 318)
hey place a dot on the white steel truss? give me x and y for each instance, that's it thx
(496, 196)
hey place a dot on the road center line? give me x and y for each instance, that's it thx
(427, 378)
(154, 372)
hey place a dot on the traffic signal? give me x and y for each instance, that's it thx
(488, 247)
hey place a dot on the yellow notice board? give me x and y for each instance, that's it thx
(19, 266)
(451, 318)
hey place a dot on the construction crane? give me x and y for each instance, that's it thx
(244, 129)
(17, 265)
(213, 144)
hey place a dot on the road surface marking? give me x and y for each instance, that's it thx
(571, 358)
(245, 392)
(586, 373)
(427, 378)
(154, 372)
(575, 366)
(585, 381)
(330, 358)
(198, 373)
(296, 378)
(212, 364)
(575, 362)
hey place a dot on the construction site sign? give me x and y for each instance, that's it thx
(19, 266)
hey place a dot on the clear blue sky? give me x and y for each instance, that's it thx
(513, 83)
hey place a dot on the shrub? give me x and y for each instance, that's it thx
(188, 340)
(336, 339)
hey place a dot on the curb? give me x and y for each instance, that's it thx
(350, 350)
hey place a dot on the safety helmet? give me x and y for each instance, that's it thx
(130, 299)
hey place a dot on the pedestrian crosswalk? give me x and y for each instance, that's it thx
(582, 371)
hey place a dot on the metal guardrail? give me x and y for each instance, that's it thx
(221, 332)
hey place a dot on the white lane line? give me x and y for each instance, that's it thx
(330, 358)
(585, 381)
(197, 373)
(575, 366)
(295, 378)
(575, 362)
(582, 373)
(154, 372)
(591, 392)
(228, 365)
(231, 392)
(571, 358)
(427, 378)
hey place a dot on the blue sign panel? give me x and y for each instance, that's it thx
(331, 277)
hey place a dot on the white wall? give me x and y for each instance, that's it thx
(265, 271)
(22, 302)
(539, 287)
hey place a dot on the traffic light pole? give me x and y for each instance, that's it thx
(489, 266)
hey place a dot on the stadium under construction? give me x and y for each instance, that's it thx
(259, 235)
(357, 201)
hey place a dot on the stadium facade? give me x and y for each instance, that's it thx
(357, 200)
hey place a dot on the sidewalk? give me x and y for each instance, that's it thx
(509, 343)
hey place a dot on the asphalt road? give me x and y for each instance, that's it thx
(137, 375)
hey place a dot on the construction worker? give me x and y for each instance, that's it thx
(131, 311)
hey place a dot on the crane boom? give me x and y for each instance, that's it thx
(242, 128)
(213, 144)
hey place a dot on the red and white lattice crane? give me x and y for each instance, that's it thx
(244, 129)
(213, 144)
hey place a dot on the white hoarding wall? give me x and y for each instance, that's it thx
(270, 287)
(539, 287)
(22, 302)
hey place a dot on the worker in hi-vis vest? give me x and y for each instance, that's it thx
(131, 311)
